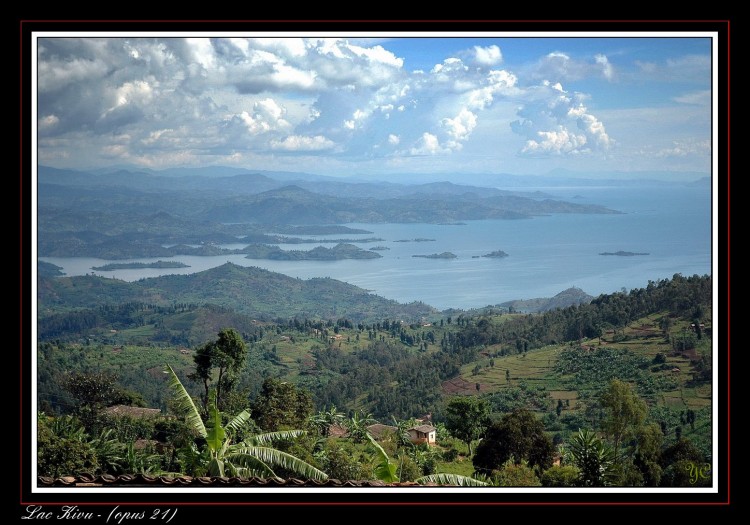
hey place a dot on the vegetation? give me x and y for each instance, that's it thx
(621, 387)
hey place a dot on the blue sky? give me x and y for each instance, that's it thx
(377, 106)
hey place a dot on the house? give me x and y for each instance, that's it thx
(377, 431)
(422, 434)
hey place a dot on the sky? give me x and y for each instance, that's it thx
(377, 106)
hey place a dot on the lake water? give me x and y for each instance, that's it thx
(546, 254)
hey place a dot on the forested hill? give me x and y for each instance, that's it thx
(247, 290)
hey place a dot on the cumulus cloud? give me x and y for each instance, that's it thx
(487, 56)
(302, 143)
(556, 122)
(267, 116)
(232, 99)
(461, 126)
(428, 144)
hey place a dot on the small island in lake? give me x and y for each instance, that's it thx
(379, 248)
(496, 254)
(139, 266)
(418, 239)
(624, 254)
(444, 255)
(319, 253)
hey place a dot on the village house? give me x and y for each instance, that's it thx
(422, 434)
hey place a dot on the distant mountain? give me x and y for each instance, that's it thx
(250, 291)
(569, 297)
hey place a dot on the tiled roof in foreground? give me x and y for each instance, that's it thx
(140, 480)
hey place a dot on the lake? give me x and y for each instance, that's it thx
(546, 254)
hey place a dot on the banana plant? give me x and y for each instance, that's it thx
(384, 470)
(253, 456)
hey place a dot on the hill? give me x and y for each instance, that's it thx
(569, 297)
(246, 290)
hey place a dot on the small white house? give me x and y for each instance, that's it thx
(422, 434)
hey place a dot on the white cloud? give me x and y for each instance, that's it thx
(684, 148)
(461, 126)
(487, 56)
(556, 122)
(267, 116)
(555, 142)
(697, 98)
(428, 144)
(302, 143)
(607, 70)
(393, 140)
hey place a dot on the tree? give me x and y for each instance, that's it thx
(649, 441)
(250, 457)
(625, 411)
(218, 365)
(561, 476)
(516, 474)
(357, 425)
(281, 405)
(467, 418)
(518, 436)
(325, 419)
(594, 458)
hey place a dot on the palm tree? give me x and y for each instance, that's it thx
(250, 457)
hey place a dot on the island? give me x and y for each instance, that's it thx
(452, 224)
(379, 248)
(444, 255)
(624, 254)
(319, 253)
(497, 254)
(418, 239)
(139, 266)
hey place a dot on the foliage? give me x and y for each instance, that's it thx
(517, 437)
(515, 474)
(383, 470)
(281, 405)
(250, 457)
(339, 461)
(62, 448)
(593, 370)
(356, 426)
(649, 440)
(594, 458)
(467, 418)
(452, 480)
(625, 411)
(561, 476)
(223, 358)
(325, 419)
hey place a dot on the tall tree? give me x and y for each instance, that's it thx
(281, 405)
(625, 411)
(218, 365)
(467, 419)
(518, 436)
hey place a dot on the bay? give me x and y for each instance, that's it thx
(546, 254)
